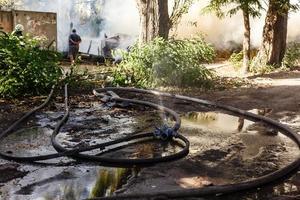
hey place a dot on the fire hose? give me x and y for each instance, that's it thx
(76, 153)
(216, 189)
(163, 133)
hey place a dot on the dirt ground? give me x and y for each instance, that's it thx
(277, 94)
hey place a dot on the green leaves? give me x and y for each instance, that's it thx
(236, 59)
(25, 69)
(166, 63)
(180, 7)
(292, 55)
(7, 4)
(230, 7)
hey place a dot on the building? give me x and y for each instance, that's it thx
(40, 24)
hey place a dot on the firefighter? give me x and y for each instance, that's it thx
(18, 30)
(74, 41)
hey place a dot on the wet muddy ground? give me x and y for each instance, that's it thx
(224, 149)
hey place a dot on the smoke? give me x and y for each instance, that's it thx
(91, 18)
(95, 18)
(293, 30)
(121, 17)
(223, 33)
(62, 8)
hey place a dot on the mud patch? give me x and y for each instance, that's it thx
(224, 149)
(9, 172)
(28, 142)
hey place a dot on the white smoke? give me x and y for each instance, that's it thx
(221, 32)
(224, 32)
(121, 17)
(293, 27)
(117, 17)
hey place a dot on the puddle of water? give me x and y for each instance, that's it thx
(68, 183)
(28, 142)
(214, 122)
(217, 137)
(88, 124)
(108, 181)
(145, 149)
(217, 121)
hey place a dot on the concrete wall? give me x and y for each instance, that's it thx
(40, 24)
(6, 21)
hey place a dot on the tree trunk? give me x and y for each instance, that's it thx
(273, 46)
(246, 42)
(148, 20)
(279, 40)
(154, 19)
(164, 19)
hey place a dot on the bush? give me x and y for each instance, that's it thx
(236, 59)
(25, 69)
(75, 76)
(166, 63)
(292, 55)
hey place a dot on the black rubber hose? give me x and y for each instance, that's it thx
(127, 161)
(74, 153)
(222, 189)
(137, 142)
(219, 189)
(3, 33)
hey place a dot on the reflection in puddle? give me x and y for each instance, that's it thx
(75, 184)
(109, 181)
(216, 121)
(217, 137)
(212, 121)
(254, 136)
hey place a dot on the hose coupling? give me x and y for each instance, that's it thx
(165, 132)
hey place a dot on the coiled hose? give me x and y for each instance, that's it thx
(173, 194)
(217, 189)
(76, 152)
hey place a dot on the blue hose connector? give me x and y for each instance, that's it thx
(165, 132)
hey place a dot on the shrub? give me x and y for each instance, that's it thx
(166, 63)
(25, 69)
(292, 55)
(75, 76)
(261, 68)
(236, 59)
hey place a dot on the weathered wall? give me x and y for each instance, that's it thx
(40, 24)
(6, 21)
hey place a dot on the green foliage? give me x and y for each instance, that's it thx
(261, 68)
(166, 63)
(236, 59)
(220, 7)
(75, 76)
(25, 69)
(7, 4)
(180, 7)
(292, 55)
(284, 6)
